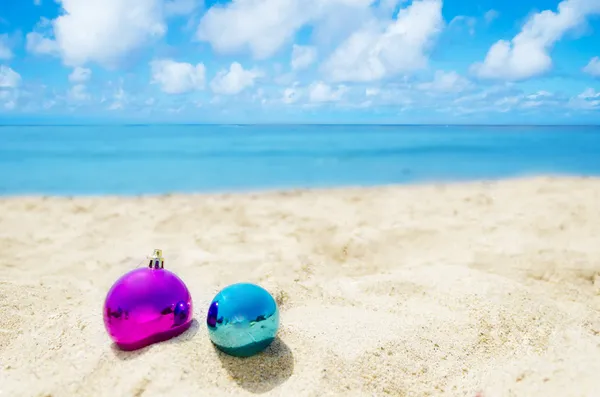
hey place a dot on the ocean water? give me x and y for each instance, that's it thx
(150, 159)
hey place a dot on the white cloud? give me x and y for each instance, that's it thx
(290, 95)
(100, 31)
(180, 7)
(527, 55)
(120, 99)
(303, 56)
(284, 79)
(259, 94)
(234, 80)
(587, 100)
(264, 26)
(538, 99)
(80, 75)
(8, 97)
(79, 93)
(446, 82)
(593, 67)
(5, 50)
(9, 78)
(589, 93)
(37, 2)
(177, 77)
(490, 16)
(321, 92)
(11, 104)
(505, 98)
(372, 92)
(539, 94)
(509, 101)
(37, 43)
(469, 22)
(379, 50)
(337, 23)
(532, 104)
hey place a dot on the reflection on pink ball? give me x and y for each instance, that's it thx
(145, 306)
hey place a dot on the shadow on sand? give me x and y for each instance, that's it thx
(262, 372)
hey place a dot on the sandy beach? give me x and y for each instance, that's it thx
(475, 289)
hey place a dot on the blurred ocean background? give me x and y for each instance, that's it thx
(149, 159)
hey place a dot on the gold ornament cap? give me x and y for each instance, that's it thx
(156, 260)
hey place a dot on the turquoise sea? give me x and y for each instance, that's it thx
(142, 159)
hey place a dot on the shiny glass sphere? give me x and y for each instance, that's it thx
(242, 319)
(145, 306)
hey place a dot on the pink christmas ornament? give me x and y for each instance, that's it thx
(147, 305)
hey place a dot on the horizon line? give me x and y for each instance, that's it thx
(292, 124)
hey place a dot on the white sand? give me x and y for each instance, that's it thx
(489, 289)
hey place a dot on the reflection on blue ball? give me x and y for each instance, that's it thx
(242, 319)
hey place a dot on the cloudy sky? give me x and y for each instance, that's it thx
(379, 61)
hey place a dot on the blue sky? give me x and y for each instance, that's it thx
(356, 61)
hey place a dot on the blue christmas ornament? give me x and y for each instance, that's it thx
(242, 319)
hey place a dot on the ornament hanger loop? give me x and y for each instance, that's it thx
(156, 260)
